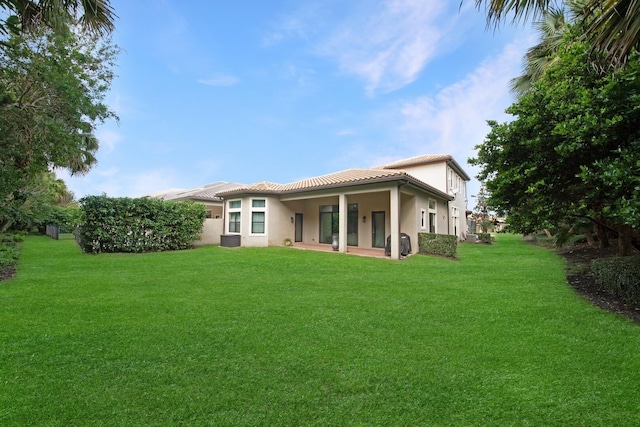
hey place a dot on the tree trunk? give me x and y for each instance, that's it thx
(625, 234)
(603, 237)
(548, 233)
(589, 235)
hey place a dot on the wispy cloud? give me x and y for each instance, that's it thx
(346, 132)
(108, 139)
(301, 24)
(454, 120)
(223, 80)
(388, 48)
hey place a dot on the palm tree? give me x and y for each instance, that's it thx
(552, 29)
(612, 26)
(94, 15)
(615, 27)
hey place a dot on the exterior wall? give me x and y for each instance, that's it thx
(216, 210)
(280, 224)
(446, 179)
(211, 231)
(434, 174)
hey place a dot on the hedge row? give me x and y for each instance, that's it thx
(139, 225)
(619, 276)
(437, 244)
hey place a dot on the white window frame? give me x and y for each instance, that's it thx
(237, 210)
(433, 211)
(255, 209)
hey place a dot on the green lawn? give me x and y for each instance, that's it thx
(279, 336)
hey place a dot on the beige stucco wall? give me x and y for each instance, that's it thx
(211, 231)
(434, 174)
(437, 175)
(279, 225)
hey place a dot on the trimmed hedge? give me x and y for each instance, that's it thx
(619, 276)
(437, 244)
(139, 225)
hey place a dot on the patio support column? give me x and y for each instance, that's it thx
(395, 222)
(342, 228)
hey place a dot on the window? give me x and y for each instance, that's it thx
(234, 222)
(330, 223)
(455, 216)
(432, 216)
(258, 216)
(209, 213)
(257, 222)
(234, 216)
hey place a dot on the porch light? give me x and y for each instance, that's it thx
(291, 220)
(364, 219)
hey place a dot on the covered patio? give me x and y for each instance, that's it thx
(367, 252)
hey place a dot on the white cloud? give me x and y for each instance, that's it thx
(346, 132)
(454, 120)
(220, 80)
(108, 139)
(390, 47)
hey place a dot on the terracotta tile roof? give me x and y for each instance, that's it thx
(260, 187)
(418, 160)
(207, 192)
(334, 180)
(426, 159)
(350, 176)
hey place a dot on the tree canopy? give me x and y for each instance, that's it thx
(52, 91)
(572, 150)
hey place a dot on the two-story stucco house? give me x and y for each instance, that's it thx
(360, 206)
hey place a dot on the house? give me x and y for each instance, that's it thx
(214, 206)
(359, 206)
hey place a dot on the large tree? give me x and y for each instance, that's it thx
(612, 26)
(52, 90)
(572, 150)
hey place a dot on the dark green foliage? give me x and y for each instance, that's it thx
(139, 225)
(8, 250)
(484, 237)
(619, 276)
(52, 92)
(437, 244)
(571, 151)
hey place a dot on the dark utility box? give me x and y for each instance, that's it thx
(229, 240)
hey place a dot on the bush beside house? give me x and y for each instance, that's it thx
(437, 244)
(139, 225)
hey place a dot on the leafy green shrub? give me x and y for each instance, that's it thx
(485, 237)
(437, 244)
(9, 250)
(139, 225)
(619, 276)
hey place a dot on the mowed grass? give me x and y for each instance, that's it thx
(280, 336)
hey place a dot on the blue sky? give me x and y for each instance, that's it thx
(250, 91)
